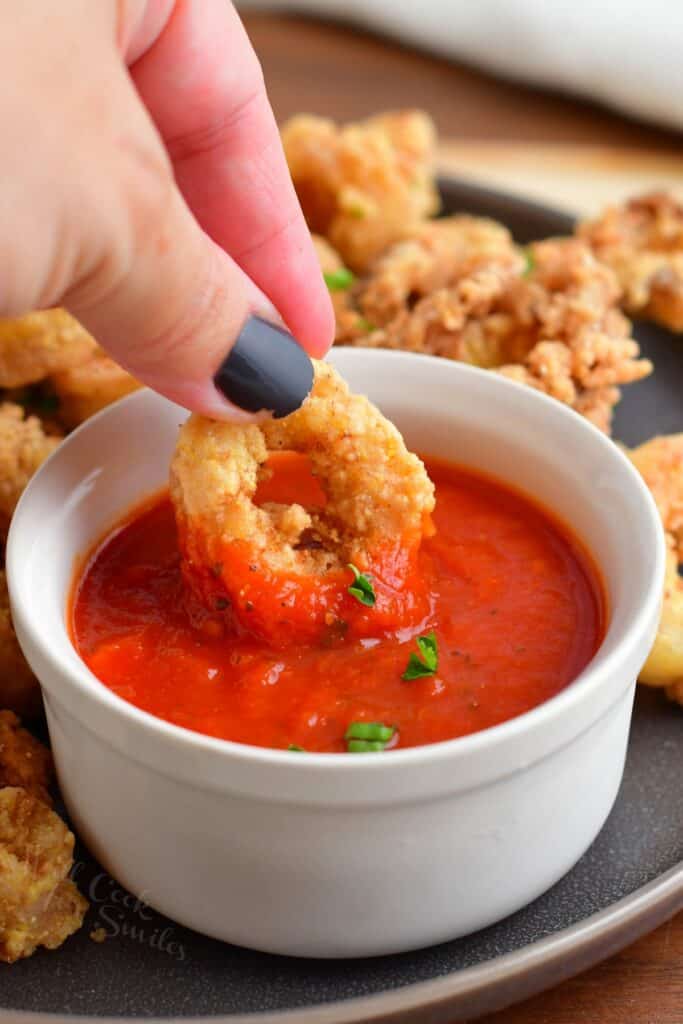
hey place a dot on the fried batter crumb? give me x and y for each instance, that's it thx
(642, 241)
(39, 905)
(98, 935)
(24, 761)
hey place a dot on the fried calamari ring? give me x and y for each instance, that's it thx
(281, 571)
(39, 905)
(38, 344)
(664, 666)
(642, 241)
(364, 185)
(660, 463)
(24, 445)
(89, 387)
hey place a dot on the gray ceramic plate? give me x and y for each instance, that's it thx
(629, 880)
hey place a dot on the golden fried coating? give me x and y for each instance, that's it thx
(85, 389)
(379, 501)
(23, 447)
(39, 905)
(24, 761)
(441, 254)
(660, 463)
(38, 344)
(375, 487)
(349, 322)
(547, 317)
(664, 666)
(642, 241)
(19, 689)
(365, 185)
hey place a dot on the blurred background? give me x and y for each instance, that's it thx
(574, 103)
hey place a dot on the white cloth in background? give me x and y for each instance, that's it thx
(624, 53)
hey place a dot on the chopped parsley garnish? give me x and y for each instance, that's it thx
(365, 325)
(295, 748)
(368, 737)
(365, 746)
(362, 588)
(426, 662)
(339, 280)
(529, 262)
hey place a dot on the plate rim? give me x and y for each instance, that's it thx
(504, 979)
(473, 990)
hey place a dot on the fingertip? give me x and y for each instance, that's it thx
(314, 325)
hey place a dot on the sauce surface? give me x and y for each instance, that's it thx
(514, 601)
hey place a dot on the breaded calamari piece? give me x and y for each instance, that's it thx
(660, 463)
(378, 507)
(547, 318)
(38, 344)
(24, 761)
(39, 905)
(23, 447)
(364, 185)
(642, 241)
(89, 387)
(664, 666)
(19, 688)
(440, 254)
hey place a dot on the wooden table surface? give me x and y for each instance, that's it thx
(326, 69)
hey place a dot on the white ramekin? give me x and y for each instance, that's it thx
(332, 855)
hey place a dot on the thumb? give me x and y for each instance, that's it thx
(186, 320)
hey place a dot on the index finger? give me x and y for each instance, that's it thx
(203, 87)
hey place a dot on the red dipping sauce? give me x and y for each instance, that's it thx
(516, 605)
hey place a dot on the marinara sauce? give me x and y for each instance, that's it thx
(515, 604)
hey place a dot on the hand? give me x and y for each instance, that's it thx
(144, 188)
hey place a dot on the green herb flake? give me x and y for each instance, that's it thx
(365, 325)
(369, 731)
(362, 588)
(339, 280)
(365, 746)
(426, 662)
(529, 262)
(368, 737)
(296, 749)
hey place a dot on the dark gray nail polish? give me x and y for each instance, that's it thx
(266, 369)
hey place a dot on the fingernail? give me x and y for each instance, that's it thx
(265, 369)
